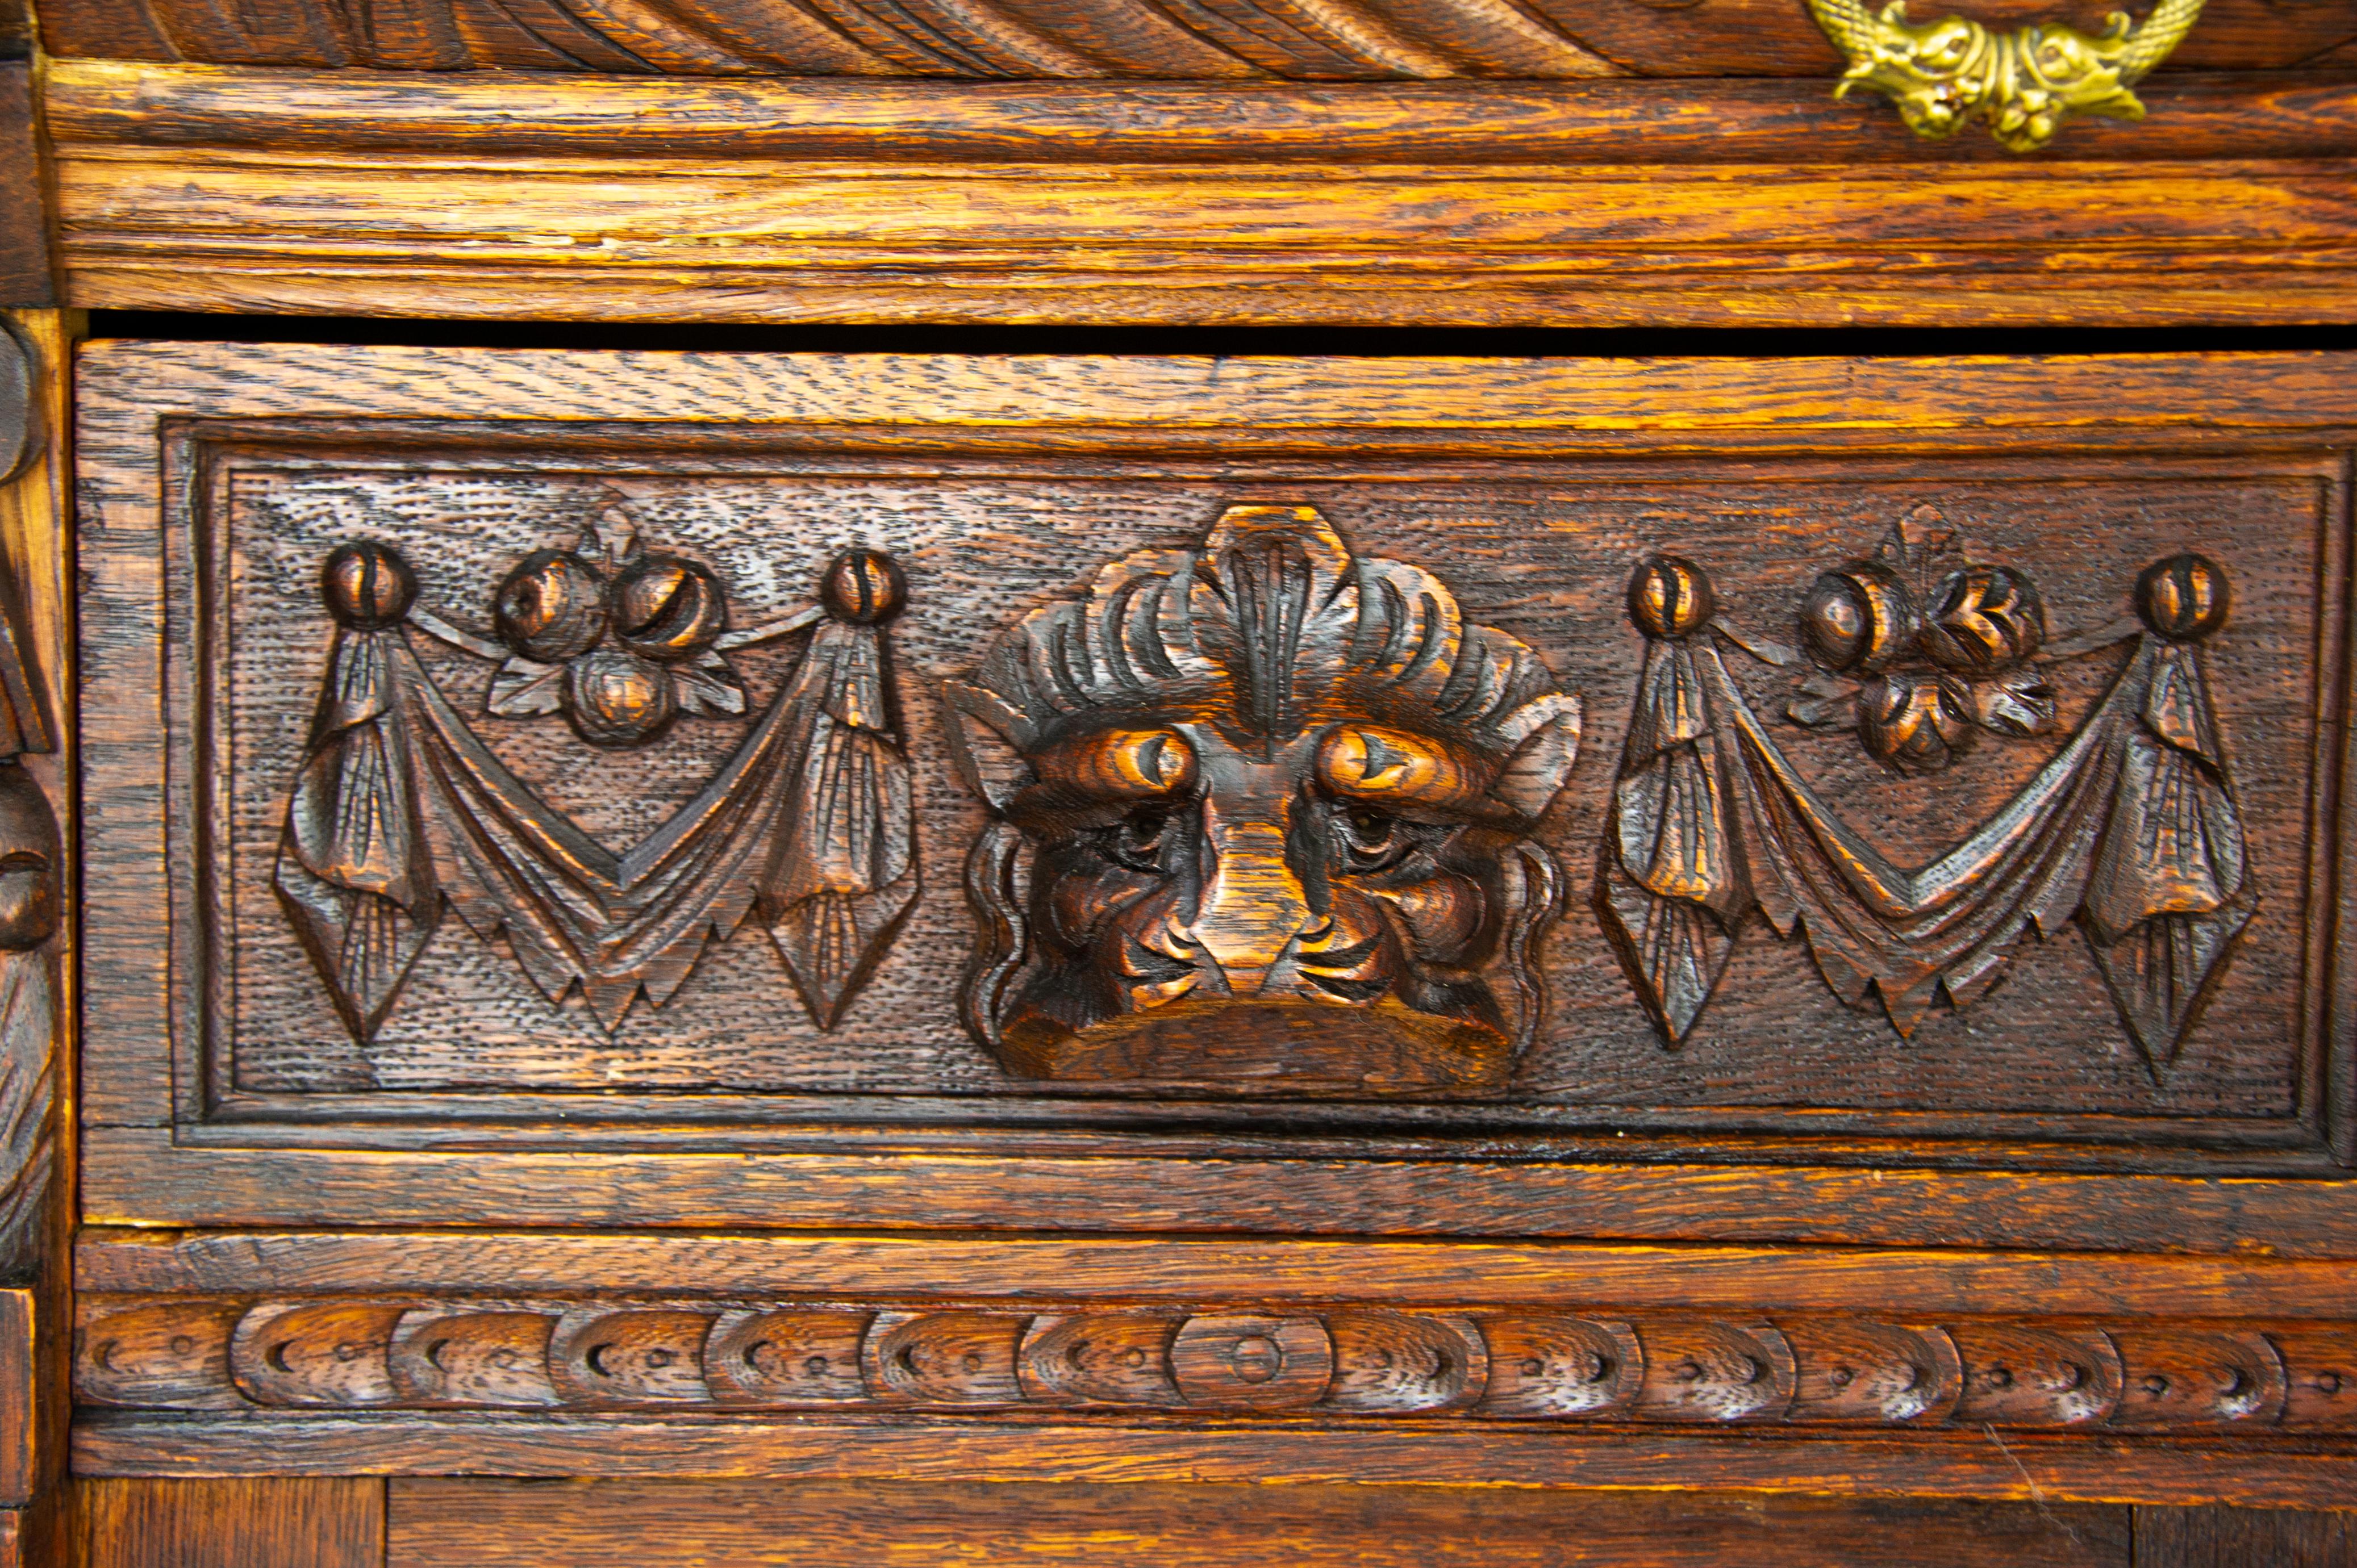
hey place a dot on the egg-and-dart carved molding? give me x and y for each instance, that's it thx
(350, 1353)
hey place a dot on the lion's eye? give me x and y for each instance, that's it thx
(1376, 840)
(1137, 839)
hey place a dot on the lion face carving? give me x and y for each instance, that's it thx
(1262, 813)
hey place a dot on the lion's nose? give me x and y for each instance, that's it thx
(1252, 905)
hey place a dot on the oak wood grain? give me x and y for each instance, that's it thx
(525, 1524)
(25, 278)
(182, 187)
(1277, 1271)
(23, 1411)
(1087, 37)
(35, 543)
(2229, 1537)
(1227, 1356)
(96, 104)
(134, 1175)
(2019, 1467)
(255, 1522)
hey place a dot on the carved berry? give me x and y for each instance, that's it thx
(1670, 597)
(1917, 724)
(2183, 598)
(618, 698)
(864, 587)
(1859, 620)
(668, 609)
(552, 606)
(367, 585)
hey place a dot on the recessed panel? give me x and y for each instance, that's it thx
(1968, 791)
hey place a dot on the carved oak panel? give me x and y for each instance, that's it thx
(1145, 780)
(489, 1000)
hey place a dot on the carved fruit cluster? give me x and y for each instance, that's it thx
(1925, 651)
(350, 1353)
(621, 647)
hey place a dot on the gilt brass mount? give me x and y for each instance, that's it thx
(1945, 73)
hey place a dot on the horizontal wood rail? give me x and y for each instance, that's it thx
(1592, 203)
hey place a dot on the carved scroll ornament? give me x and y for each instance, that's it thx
(400, 811)
(1945, 74)
(1262, 813)
(2132, 829)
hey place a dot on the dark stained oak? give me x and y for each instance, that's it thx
(2231, 1537)
(2091, 558)
(25, 275)
(98, 104)
(1279, 844)
(697, 958)
(248, 1524)
(2016, 1466)
(1215, 1360)
(38, 1140)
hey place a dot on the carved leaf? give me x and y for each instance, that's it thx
(523, 689)
(708, 685)
(1825, 704)
(2021, 703)
(1275, 605)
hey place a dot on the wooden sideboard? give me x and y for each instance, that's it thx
(654, 902)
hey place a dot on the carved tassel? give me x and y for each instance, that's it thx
(846, 871)
(353, 873)
(1670, 886)
(2169, 895)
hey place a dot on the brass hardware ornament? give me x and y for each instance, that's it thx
(1945, 73)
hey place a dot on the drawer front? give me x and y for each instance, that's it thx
(702, 810)
(1158, 758)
